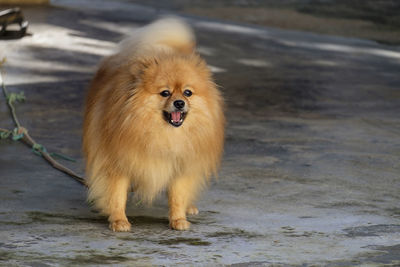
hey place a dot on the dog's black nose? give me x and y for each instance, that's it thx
(179, 104)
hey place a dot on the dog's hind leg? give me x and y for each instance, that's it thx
(192, 210)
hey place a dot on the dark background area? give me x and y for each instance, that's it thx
(369, 19)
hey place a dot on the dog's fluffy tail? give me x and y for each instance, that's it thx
(164, 34)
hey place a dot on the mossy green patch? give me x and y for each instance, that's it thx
(95, 258)
(5, 255)
(85, 257)
(14, 223)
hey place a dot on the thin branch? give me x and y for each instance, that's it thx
(31, 142)
(27, 139)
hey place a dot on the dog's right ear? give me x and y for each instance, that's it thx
(142, 65)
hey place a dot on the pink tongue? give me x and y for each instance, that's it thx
(176, 116)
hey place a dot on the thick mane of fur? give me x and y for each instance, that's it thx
(127, 141)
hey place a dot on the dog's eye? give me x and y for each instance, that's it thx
(187, 93)
(165, 93)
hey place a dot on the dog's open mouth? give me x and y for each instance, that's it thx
(175, 118)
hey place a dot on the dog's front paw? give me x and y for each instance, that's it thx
(120, 226)
(192, 210)
(180, 224)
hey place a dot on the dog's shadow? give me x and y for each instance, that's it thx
(143, 220)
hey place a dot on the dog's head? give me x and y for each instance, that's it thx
(176, 88)
(176, 105)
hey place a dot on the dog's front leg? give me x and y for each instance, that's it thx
(181, 192)
(117, 195)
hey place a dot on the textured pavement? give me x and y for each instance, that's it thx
(311, 170)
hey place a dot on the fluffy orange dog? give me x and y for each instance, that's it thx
(153, 121)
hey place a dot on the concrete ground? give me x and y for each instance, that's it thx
(310, 175)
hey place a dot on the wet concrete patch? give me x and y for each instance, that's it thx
(186, 241)
(372, 230)
(377, 256)
(255, 264)
(252, 146)
(93, 257)
(54, 218)
(395, 212)
(390, 255)
(230, 234)
(344, 204)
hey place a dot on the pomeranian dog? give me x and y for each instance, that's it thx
(153, 121)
